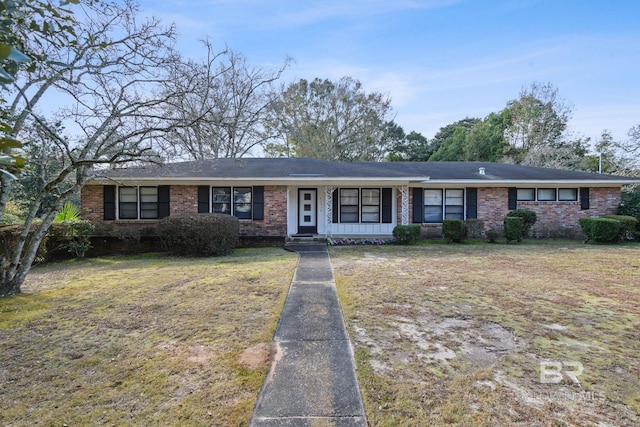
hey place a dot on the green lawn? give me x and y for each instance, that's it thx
(444, 334)
(146, 340)
(449, 334)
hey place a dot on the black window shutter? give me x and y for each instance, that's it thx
(584, 198)
(109, 202)
(258, 203)
(336, 206)
(472, 203)
(513, 198)
(163, 201)
(387, 205)
(418, 206)
(203, 198)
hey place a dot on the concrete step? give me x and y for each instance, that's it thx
(301, 238)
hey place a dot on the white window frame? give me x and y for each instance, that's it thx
(444, 207)
(557, 194)
(234, 203)
(138, 202)
(371, 212)
(576, 194)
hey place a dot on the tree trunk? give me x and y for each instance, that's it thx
(14, 270)
(9, 287)
(5, 191)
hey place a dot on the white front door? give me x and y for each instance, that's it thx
(308, 210)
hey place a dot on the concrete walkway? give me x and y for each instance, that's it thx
(312, 380)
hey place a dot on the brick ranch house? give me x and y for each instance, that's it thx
(285, 197)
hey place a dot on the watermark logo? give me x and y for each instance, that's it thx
(552, 372)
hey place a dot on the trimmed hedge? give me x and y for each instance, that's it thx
(199, 234)
(628, 225)
(454, 230)
(601, 230)
(513, 228)
(528, 218)
(406, 234)
(9, 235)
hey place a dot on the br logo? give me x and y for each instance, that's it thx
(553, 372)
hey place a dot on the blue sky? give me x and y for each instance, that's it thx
(439, 60)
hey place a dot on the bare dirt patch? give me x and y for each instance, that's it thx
(460, 334)
(256, 356)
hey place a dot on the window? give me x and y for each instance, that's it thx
(138, 203)
(221, 197)
(128, 203)
(526, 194)
(245, 203)
(432, 206)
(568, 194)
(370, 205)
(349, 205)
(439, 204)
(546, 194)
(242, 202)
(454, 204)
(148, 202)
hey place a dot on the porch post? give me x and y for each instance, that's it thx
(404, 208)
(329, 208)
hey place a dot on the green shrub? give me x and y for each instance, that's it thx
(13, 214)
(630, 204)
(628, 225)
(69, 212)
(454, 230)
(586, 224)
(9, 236)
(73, 236)
(528, 219)
(513, 228)
(406, 234)
(199, 234)
(492, 235)
(601, 230)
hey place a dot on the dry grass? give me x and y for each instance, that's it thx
(454, 334)
(147, 340)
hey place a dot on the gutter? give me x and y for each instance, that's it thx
(411, 181)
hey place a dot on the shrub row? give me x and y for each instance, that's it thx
(609, 228)
(199, 234)
(183, 235)
(62, 239)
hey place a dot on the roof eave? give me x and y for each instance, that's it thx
(418, 181)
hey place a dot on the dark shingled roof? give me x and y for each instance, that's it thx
(273, 168)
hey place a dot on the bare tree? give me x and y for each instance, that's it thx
(630, 152)
(330, 120)
(539, 117)
(232, 97)
(110, 79)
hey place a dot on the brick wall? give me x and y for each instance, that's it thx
(91, 200)
(184, 199)
(493, 205)
(561, 218)
(555, 219)
(275, 214)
